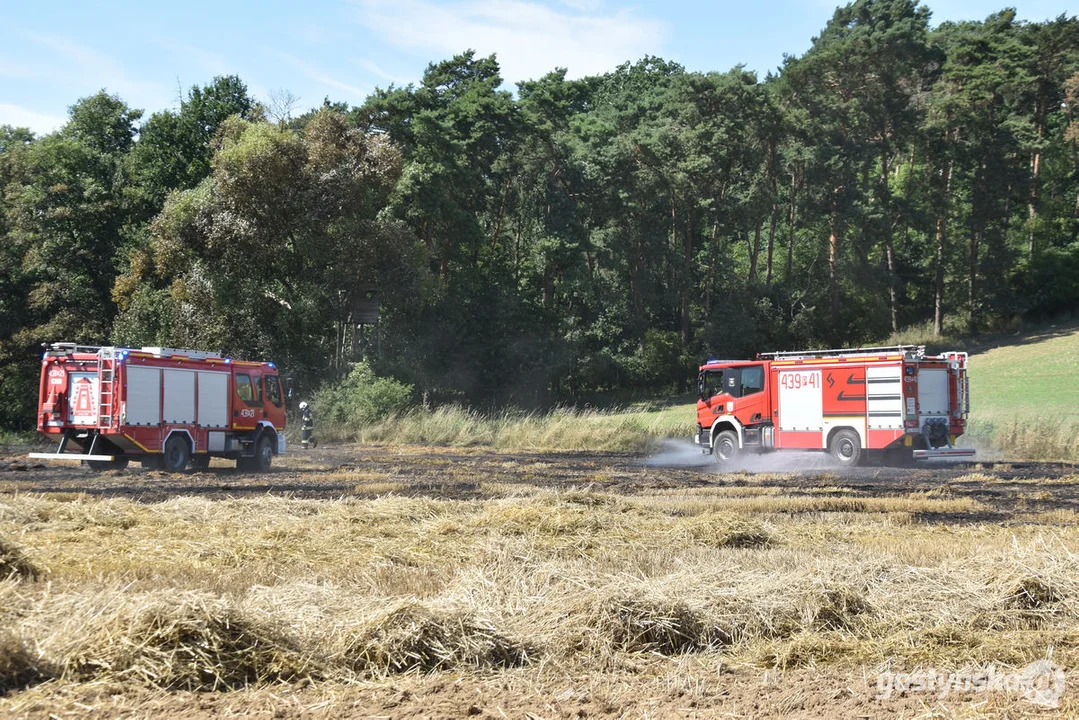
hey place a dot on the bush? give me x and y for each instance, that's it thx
(361, 398)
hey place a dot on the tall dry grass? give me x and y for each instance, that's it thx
(627, 429)
(1026, 435)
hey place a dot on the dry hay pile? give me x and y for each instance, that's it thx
(840, 607)
(1033, 593)
(14, 563)
(412, 636)
(647, 625)
(175, 640)
(376, 637)
(694, 612)
(723, 530)
(19, 667)
(1030, 596)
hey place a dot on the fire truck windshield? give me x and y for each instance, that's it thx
(734, 381)
(710, 383)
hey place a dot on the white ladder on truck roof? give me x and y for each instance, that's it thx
(67, 348)
(165, 352)
(911, 352)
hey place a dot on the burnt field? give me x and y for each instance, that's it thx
(405, 581)
(1005, 491)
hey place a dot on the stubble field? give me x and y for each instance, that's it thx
(399, 581)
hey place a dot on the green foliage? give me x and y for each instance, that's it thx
(595, 235)
(175, 149)
(63, 221)
(103, 124)
(360, 398)
(267, 256)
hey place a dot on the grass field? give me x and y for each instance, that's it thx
(1024, 394)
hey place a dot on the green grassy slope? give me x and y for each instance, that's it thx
(1024, 394)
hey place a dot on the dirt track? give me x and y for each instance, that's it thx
(1005, 488)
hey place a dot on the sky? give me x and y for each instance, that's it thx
(151, 53)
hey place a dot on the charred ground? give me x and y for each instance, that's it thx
(1010, 490)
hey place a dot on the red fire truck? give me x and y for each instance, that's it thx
(166, 407)
(895, 399)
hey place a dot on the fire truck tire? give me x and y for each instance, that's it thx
(119, 463)
(846, 448)
(725, 448)
(263, 455)
(177, 453)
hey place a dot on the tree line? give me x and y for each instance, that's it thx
(574, 237)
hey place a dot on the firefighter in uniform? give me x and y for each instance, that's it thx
(307, 426)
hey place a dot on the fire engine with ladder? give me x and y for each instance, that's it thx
(166, 407)
(896, 400)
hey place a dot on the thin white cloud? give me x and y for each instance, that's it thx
(17, 71)
(583, 5)
(210, 62)
(315, 34)
(91, 70)
(312, 72)
(530, 38)
(40, 123)
(375, 69)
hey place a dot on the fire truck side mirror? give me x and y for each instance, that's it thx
(288, 388)
(700, 386)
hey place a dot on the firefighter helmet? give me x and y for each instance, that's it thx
(303, 405)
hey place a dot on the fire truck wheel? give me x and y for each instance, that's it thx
(177, 453)
(846, 448)
(725, 448)
(263, 454)
(119, 463)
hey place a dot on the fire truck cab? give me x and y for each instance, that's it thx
(846, 402)
(166, 407)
